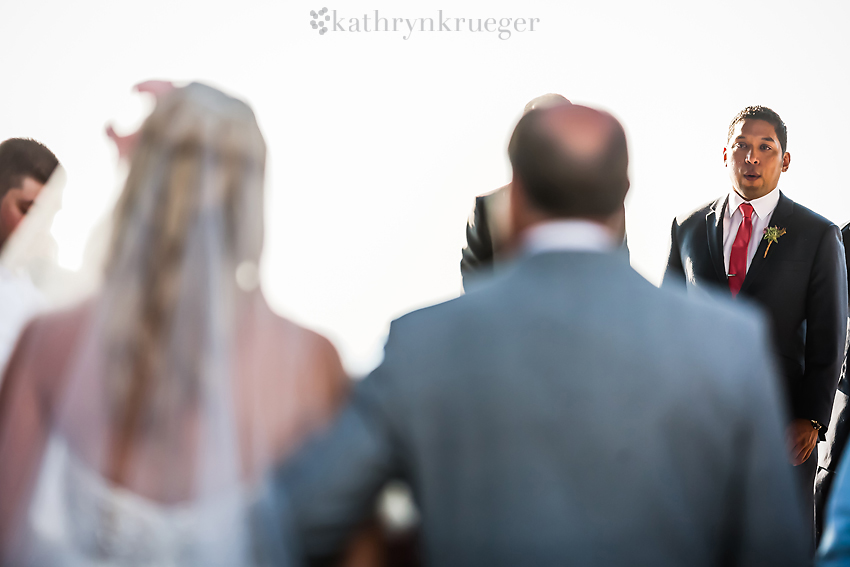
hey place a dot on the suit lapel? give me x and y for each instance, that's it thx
(714, 226)
(783, 211)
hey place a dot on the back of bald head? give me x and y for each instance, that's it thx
(571, 161)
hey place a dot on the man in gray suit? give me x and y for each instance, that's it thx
(567, 412)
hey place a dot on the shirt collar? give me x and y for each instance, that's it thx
(763, 206)
(573, 235)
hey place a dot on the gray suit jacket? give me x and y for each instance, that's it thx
(567, 413)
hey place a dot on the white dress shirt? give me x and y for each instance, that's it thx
(733, 217)
(19, 302)
(573, 235)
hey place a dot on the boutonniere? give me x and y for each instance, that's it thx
(772, 234)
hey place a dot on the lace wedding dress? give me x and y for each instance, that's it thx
(78, 518)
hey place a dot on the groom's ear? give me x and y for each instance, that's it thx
(786, 161)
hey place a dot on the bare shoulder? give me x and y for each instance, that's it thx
(43, 352)
(49, 339)
(291, 343)
(303, 359)
(285, 331)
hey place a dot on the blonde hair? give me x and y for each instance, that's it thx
(191, 212)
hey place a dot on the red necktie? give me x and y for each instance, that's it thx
(738, 258)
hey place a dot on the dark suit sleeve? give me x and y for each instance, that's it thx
(675, 273)
(826, 329)
(477, 256)
(839, 424)
(332, 484)
(843, 383)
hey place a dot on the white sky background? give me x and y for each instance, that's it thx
(377, 145)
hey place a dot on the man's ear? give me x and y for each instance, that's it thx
(786, 161)
(725, 158)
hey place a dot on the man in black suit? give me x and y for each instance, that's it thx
(758, 243)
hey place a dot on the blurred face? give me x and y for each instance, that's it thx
(15, 204)
(754, 159)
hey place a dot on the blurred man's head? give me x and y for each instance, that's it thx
(25, 166)
(569, 161)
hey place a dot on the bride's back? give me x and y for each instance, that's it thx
(285, 383)
(175, 385)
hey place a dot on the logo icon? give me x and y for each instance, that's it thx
(319, 19)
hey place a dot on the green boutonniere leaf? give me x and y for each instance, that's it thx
(772, 234)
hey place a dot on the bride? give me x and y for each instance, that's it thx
(133, 427)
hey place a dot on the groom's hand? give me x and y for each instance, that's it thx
(802, 439)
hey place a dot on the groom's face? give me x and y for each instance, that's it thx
(754, 158)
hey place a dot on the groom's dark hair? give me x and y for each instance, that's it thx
(561, 175)
(22, 157)
(761, 113)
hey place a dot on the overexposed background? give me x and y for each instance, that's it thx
(377, 145)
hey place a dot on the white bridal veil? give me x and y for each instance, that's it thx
(150, 451)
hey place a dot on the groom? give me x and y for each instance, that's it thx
(757, 243)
